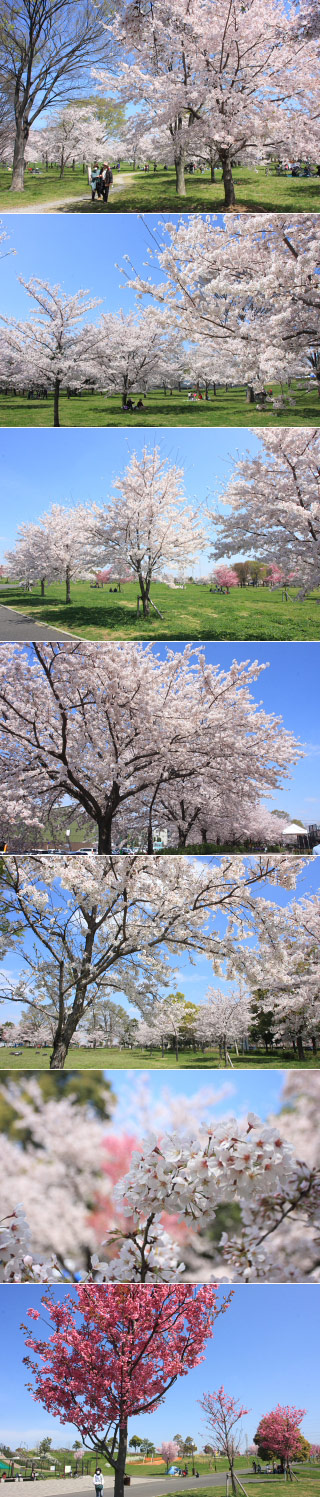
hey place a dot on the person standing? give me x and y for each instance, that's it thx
(98, 1482)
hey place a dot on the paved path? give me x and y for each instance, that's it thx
(143, 1486)
(15, 625)
(55, 205)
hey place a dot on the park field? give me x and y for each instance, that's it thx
(226, 408)
(151, 192)
(24, 1058)
(189, 613)
(261, 1487)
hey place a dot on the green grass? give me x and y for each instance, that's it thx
(155, 191)
(261, 1487)
(135, 1060)
(202, 1463)
(227, 408)
(194, 613)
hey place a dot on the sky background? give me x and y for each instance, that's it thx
(265, 1350)
(79, 466)
(73, 255)
(194, 980)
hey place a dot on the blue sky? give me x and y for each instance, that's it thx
(66, 467)
(62, 250)
(193, 981)
(265, 1350)
(288, 688)
(221, 1095)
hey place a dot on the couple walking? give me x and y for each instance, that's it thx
(101, 180)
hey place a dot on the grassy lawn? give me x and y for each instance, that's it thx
(202, 1464)
(150, 192)
(227, 408)
(306, 1482)
(192, 613)
(26, 1059)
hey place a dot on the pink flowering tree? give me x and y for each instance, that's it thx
(80, 960)
(181, 66)
(273, 505)
(246, 287)
(226, 578)
(53, 348)
(279, 1434)
(115, 1354)
(223, 1415)
(148, 525)
(169, 1452)
(115, 728)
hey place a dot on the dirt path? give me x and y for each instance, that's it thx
(55, 204)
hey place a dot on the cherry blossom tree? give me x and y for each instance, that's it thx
(168, 1200)
(223, 1413)
(45, 49)
(110, 945)
(52, 349)
(293, 991)
(279, 1433)
(274, 504)
(140, 1341)
(169, 1452)
(68, 538)
(133, 351)
(75, 134)
(224, 1019)
(111, 729)
(29, 560)
(250, 287)
(148, 525)
(233, 77)
(226, 578)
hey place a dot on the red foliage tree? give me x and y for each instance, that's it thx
(278, 1434)
(114, 1352)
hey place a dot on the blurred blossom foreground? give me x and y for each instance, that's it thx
(218, 1200)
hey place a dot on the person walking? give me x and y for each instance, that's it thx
(95, 174)
(107, 180)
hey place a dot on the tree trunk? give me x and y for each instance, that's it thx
(22, 132)
(121, 1462)
(61, 165)
(229, 192)
(177, 1048)
(105, 824)
(150, 838)
(56, 398)
(300, 1047)
(314, 1044)
(59, 1054)
(250, 395)
(180, 174)
(42, 586)
(68, 579)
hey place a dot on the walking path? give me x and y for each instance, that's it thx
(144, 1486)
(15, 625)
(54, 204)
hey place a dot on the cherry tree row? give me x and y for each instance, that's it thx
(117, 937)
(147, 529)
(107, 1207)
(239, 303)
(233, 82)
(127, 737)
